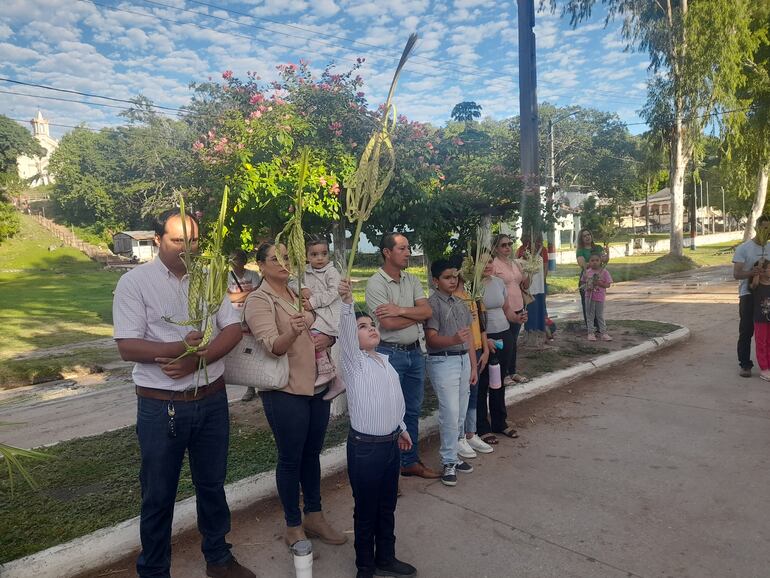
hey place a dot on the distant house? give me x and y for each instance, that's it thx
(139, 245)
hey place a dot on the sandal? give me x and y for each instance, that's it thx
(510, 432)
(490, 439)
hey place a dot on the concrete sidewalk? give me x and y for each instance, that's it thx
(657, 468)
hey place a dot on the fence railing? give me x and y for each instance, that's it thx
(67, 236)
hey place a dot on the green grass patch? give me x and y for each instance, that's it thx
(21, 372)
(50, 297)
(92, 483)
(565, 278)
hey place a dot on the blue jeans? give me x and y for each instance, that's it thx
(203, 430)
(373, 472)
(473, 401)
(450, 377)
(410, 366)
(299, 427)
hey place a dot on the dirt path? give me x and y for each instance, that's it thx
(656, 468)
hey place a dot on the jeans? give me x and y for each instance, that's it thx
(203, 430)
(473, 399)
(410, 366)
(373, 469)
(515, 330)
(450, 377)
(299, 427)
(496, 412)
(745, 330)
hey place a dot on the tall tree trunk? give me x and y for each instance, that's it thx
(676, 186)
(338, 238)
(647, 205)
(759, 202)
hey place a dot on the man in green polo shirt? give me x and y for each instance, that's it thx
(397, 300)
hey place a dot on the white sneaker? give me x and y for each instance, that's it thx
(478, 444)
(464, 450)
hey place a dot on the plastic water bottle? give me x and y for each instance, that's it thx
(303, 558)
(495, 379)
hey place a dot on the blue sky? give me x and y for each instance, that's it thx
(468, 50)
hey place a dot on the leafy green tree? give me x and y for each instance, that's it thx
(466, 111)
(697, 49)
(747, 158)
(15, 140)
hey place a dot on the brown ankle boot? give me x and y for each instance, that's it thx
(316, 526)
(293, 535)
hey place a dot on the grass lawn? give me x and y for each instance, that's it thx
(92, 483)
(565, 278)
(50, 298)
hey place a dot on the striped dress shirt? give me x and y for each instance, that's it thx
(375, 401)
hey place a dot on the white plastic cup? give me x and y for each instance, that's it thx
(302, 550)
(495, 382)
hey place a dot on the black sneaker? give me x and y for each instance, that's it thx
(464, 467)
(396, 567)
(365, 573)
(449, 477)
(745, 372)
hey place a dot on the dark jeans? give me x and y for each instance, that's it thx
(495, 411)
(373, 471)
(410, 366)
(515, 330)
(203, 430)
(745, 330)
(299, 427)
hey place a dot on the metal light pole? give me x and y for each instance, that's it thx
(530, 197)
(551, 195)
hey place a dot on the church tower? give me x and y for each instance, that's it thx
(40, 125)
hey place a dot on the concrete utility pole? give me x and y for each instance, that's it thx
(530, 197)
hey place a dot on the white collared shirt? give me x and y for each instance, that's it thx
(375, 400)
(143, 297)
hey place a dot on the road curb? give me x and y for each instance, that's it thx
(108, 545)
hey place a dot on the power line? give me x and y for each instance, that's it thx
(61, 125)
(706, 115)
(86, 94)
(61, 99)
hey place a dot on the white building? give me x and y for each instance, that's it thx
(139, 245)
(36, 168)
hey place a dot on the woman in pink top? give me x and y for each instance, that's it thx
(507, 269)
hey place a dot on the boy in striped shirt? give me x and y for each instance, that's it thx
(377, 436)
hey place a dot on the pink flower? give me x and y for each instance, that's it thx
(227, 74)
(255, 114)
(255, 98)
(322, 181)
(197, 145)
(335, 189)
(360, 94)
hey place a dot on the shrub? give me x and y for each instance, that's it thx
(10, 223)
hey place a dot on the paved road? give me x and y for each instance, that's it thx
(659, 468)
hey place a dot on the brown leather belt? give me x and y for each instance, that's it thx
(184, 395)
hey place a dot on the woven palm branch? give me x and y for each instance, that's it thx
(292, 234)
(12, 456)
(207, 276)
(368, 183)
(474, 263)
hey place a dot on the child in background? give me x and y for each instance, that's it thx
(471, 442)
(377, 437)
(596, 280)
(760, 291)
(451, 365)
(320, 295)
(241, 282)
